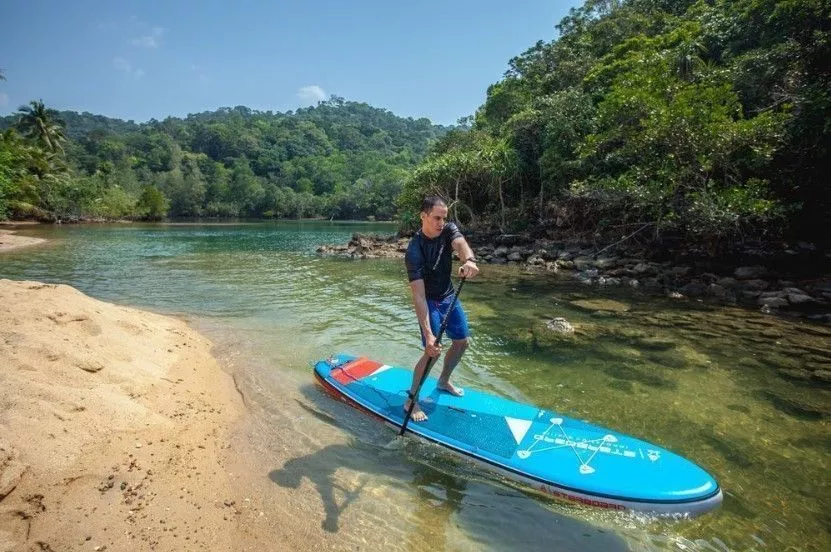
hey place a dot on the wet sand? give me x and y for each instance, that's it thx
(10, 240)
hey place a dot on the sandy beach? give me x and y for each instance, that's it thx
(10, 240)
(115, 428)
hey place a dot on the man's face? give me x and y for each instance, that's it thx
(432, 223)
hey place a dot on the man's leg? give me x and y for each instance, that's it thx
(418, 414)
(451, 359)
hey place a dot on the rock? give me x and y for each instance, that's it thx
(773, 302)
(717, 290)
(535, 260)
(799, 299)
(788, 290)
(694, 289)
(499, 260)
(608, 281)
(727, 282)
(679, 271)
(769, 294)
(560, 325)
(644, 268)
(634, 283)
(582, 263)
(500, 251)
(606, 262)
(652, 283)
(754, 284)
(516, 256)
(750, 272)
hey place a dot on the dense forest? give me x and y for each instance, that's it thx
(339, 159)
(701, 122)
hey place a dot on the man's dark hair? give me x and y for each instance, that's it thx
(430, 202)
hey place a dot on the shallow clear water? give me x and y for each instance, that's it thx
(700, 380)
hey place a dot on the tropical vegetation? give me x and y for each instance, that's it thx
(339, 159)
(704, 121)
(692, 121)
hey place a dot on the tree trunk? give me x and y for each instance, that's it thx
(502, 203)
(456, 202)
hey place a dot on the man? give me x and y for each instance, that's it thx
(429, 264)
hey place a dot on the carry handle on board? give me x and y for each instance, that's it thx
(431, 360)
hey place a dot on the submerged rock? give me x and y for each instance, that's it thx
(608, 305)
(560, 325)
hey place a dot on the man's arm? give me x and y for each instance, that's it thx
(465, 254)
(423, 315)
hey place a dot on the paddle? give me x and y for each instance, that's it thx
(431, 360)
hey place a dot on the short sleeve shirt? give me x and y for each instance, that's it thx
(431, 260)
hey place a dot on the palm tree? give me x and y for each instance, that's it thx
(41, 125)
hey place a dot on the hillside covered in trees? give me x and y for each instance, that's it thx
(338, 159)
(693, 121)
(699, 121)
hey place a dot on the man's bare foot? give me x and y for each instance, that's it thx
(418, 414)
(452, 389)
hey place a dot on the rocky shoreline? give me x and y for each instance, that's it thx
(795, 281)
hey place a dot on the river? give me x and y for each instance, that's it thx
(706, 381)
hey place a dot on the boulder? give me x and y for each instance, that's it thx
(750, 272)
(560, 325)
(773, 302)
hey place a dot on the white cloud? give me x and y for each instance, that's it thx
(152, 40)
(125, 66)
(311, 93)
(4, 99)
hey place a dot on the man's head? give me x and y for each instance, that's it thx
(433, 216)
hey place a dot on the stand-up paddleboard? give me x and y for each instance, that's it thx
(548, 452)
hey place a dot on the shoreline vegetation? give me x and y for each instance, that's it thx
(107, 412)
(794, 280)
(703, 124)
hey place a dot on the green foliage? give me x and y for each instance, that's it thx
(151, 204)
(336, 160)
(705, 119)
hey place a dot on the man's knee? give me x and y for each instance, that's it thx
(462, 344)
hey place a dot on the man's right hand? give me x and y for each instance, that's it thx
(432, 349)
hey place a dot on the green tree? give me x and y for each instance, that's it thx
(152, 204)
(42, 126)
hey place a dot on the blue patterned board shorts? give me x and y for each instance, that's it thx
(457, 327)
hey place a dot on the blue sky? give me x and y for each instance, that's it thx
(151, 59)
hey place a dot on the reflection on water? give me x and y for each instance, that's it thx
(739, 392)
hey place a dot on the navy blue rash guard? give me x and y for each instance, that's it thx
(431, 260)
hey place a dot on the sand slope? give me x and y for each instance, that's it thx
(10, 240)
(114, 428)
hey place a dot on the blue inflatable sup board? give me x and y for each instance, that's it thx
(545, 451)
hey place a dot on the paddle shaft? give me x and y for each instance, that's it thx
(430, 360)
